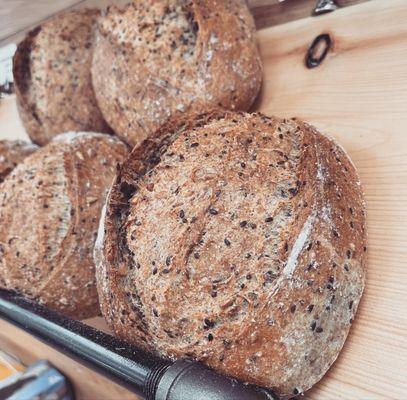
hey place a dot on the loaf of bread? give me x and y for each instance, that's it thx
(50, 208)
(238, 240)
(158, 58)
(52, 78)
(12, 152)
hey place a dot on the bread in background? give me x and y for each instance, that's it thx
(50, 207)
(12, 152)
(51, 69)
(238, 240)
(155, 59)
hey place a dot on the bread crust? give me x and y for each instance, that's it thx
(156, 58)
(12, 152)
(238, 240)
(52, 78)
(50, 208)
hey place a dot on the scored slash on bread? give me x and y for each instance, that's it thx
(153, 59)
(12, 152)
(237, 240)
(52, 78)
(50, 207)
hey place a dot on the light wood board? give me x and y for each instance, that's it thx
(359, 96)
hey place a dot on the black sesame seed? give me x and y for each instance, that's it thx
(310, 308)
(335, 233)
(155, 270)
(213, 211)
(295, 391)
(346, 266)
(331, 279)
(209, 323)
(227, 242)
(350, 305)
(286, 247)
(319, 330)
(214, 293)
(195, 144)
(243, 165)
(348, 254)
(210, 337)
(293, 308)
(243, 224)
(196, 255)
(269, 219)
(168, 261)
(166, 271)
(249, 277)
(313, 326)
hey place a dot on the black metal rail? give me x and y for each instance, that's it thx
(141, 372)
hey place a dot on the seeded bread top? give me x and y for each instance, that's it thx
(153, 59)
(50, 208)
(52, 77)
(238, 240)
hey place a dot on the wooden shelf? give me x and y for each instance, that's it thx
(359, 96)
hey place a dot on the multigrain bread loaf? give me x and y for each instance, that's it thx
(238, 240)
(12, 152)
(52, 79)
(49, 211)
(153, 59)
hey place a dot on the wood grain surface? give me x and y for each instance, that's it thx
(359, 96)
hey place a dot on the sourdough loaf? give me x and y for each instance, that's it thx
(238, 240)
(49, 211)
(52, 78)
(154, 59)
(12, 152)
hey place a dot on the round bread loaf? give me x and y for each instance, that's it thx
(52, 78)
(238, 240)
(49, 211)
(154, 59)
(12, 152)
